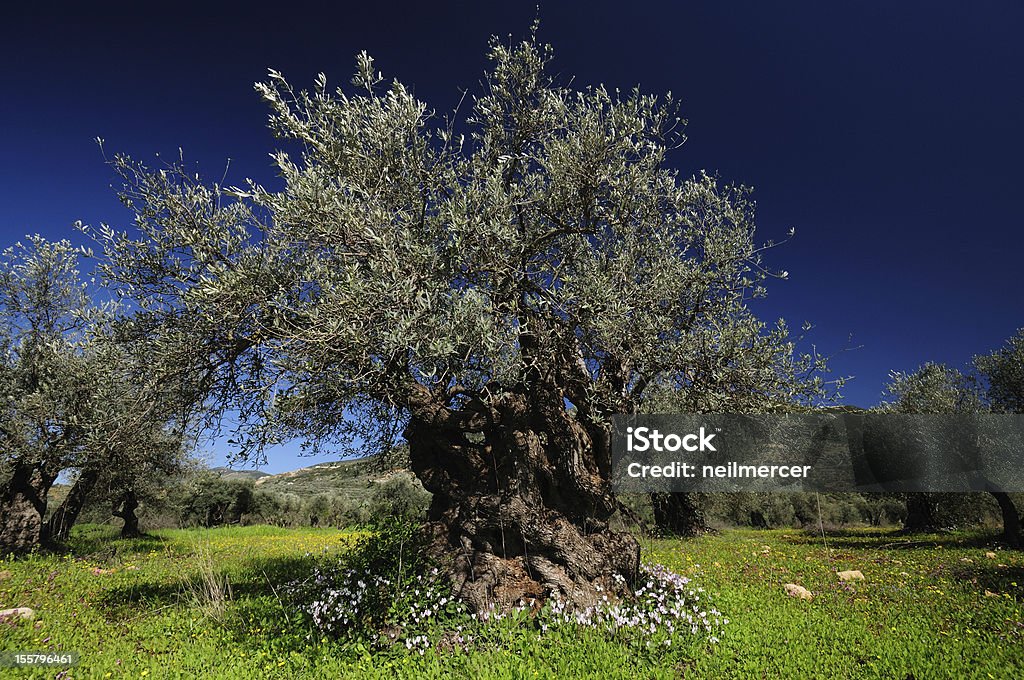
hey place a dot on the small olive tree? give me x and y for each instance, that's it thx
(1003, 373)
(932, 388)
(131, 466)
(936, 388)
(45, 382)
(493, 288)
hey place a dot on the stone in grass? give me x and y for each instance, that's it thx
(4, 575)
(793, 590)
(17, 612)
(851, 575)
(991, 555)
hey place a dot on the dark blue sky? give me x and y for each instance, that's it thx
(887, 133)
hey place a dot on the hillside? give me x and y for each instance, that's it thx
(230, 473)
(353, 479)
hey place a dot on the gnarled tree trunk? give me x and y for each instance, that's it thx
(523, 504)
(125, 508)
(58, 527)
(920, 513)
(1011, 520)
(679, 514)
(22, 508)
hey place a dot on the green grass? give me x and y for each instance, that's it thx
(204, 603)
(921, 611)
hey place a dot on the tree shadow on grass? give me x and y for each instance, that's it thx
(100, 546)
(993, 579)
(894, 540)
(200, 581)
(134, 546)
(248, 603)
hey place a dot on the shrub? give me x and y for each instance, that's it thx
(209, 500)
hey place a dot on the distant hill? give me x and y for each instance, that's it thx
(355, 479)
(231, 473)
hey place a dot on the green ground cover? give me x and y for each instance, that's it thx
(922, 610)
(187, 603)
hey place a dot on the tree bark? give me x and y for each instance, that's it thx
(125, 509)
(679, 514)
(58, 527)
(920, 513)
(521, 507)
(22, 508)
(1011, 519)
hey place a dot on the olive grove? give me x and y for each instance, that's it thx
(75, 399)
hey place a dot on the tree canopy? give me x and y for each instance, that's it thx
(406, 266)
(1003, 370)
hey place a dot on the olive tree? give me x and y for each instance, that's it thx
(936, 388)
(493, 288)
(789, 388)
(1003, 372)
(74, 400)
(932, 388)
(128, 463)
(45, 381)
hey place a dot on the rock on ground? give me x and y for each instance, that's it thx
(18, 612)
(851, 575)
(793, 590)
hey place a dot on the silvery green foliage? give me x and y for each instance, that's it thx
(44, 375)
(997, 385)
(402, 252)
(72, 396)
(1003, 369)
(933, 388)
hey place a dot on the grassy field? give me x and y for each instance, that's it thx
(206, 603)
(929, 607)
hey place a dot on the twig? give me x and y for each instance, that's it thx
(821, 526)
